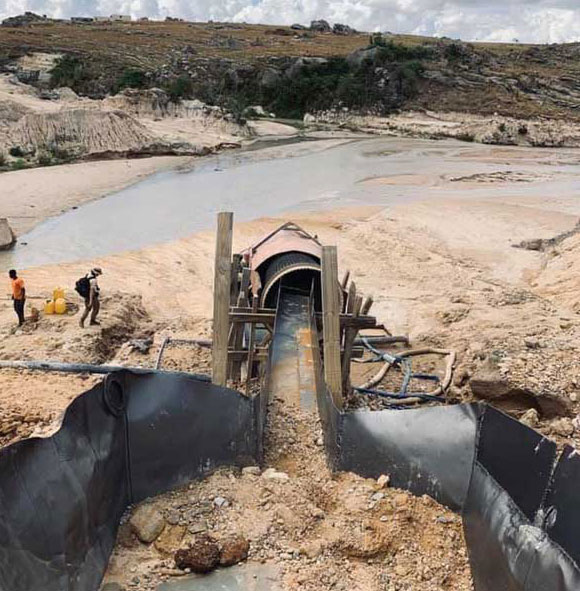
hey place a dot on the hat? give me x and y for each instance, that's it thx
(97, 271)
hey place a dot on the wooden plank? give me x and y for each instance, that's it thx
(221, 297)
(235, 282)
(250, 310)
(251, 346)
(367, 306)
(254, 318)
(345, 279)
(349, 338)
(235, 367)
(331, 323)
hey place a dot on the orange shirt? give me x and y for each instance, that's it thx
(17, 287)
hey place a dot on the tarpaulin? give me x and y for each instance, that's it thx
(522, 513)
(61, 498)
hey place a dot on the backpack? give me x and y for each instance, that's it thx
(83, 287)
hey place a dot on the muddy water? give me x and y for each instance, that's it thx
(380, 171)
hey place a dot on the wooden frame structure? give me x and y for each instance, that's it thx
(237, 314)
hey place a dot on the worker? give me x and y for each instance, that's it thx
(18, 295)
(88, 287)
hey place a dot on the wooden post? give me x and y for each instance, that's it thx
(331, 323)
(367, 306)
(349, 338)
(221, 297)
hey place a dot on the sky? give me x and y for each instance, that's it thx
(529, 21)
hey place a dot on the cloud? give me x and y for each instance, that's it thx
(540, 21)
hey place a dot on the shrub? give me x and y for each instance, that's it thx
(2, 159)
(69, 71)
(132, 79)
(16, 152)
(179, 88)
(44, 159)
(465, 136)
(19, 164)
(502, 127)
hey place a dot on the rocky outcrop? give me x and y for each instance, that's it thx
(7, 237)
(81, 133)
(462, 126)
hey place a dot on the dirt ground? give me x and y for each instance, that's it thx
(322, 531)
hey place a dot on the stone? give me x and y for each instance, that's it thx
(320, 26)
(7, 237)
(220, 502)
(531, 343)
(251, 471)
(234, 550)
(147, 523)
(378, 496)
(273, 474)
(530, 418)
(202, 556)
(125, 536)
(563, 427)
(383, 481)
(170, 538)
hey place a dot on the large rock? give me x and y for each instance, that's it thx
(147, 523)
(202, 556)
(234, 550)
(7, 237)
(320, 26)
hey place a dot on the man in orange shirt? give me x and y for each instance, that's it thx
(18, 295)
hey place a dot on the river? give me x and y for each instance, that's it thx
(173, 205)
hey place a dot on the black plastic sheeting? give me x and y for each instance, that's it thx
(521, 508)
(133, 436)
(426, 451)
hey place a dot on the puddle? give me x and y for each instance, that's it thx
(246, 577)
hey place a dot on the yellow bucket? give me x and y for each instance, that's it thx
(60, 306)
(49, 307)
(58, 294)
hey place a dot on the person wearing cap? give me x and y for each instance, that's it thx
(92, 301)
(18, 295)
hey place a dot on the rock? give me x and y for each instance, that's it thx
(7, 237)
(272, 474)
(170, 538)
(383, 481)
(320, 26)
(532, 343)
(141, 345)
(563, 427)
(234, 550)
(220, 502)
(147, 523)
(298, 27)
(530, 418)
(573, 397)
(378, 496)
(339, 29)
(251, 471)
(202, 556)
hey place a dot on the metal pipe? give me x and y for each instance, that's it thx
(381, 340)
(88, 368)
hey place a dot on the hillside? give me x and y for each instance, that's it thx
(293, 71)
